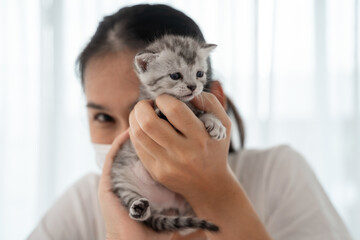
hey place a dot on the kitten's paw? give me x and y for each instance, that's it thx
(214, 127)
(140, 210)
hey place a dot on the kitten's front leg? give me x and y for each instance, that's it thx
(214, 126)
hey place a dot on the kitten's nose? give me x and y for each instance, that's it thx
(191, 87)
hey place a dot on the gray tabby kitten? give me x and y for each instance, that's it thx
(176, 66)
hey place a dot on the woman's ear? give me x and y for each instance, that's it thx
(217, 90)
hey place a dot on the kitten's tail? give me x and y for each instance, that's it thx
(161, 223)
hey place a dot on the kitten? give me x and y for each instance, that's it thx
(176, 66)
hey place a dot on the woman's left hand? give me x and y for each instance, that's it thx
(118, 224)
(188, 162)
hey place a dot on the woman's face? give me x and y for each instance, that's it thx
(111, 89)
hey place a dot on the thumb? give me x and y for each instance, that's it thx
(106, 171)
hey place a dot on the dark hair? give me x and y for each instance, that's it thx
(135, 27)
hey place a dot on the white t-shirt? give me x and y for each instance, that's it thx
(280, 184)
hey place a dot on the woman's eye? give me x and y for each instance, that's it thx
(104, 118)
(200, 74)
(175, 76)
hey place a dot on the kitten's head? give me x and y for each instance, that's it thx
(174, 65)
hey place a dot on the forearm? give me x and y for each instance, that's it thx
(228, 206)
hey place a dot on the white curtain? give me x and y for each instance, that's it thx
(291, 67)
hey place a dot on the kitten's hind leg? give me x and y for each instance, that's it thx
(139, 207)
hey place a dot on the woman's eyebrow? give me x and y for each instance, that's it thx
(95, 106)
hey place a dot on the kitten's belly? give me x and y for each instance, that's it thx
(158, 195)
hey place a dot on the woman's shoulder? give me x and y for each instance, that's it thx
(86, 183)
(273, 160)
(84, 189)
(285, 191)
(260, 153)
(81, 192)
(75, 214)
(265, 173)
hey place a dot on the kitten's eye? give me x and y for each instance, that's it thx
(103, 118)
(175, 76)
(200, 74)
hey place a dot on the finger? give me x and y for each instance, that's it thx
(179, 115)
(156, 128)
(139, 136)
(115, 146)
(209, 103)
(146, 158)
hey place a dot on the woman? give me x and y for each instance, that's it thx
(249, 194)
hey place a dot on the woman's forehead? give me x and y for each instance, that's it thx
(110, 78)
(120, 63)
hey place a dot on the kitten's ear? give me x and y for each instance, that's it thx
(207, 48)
(142, 60)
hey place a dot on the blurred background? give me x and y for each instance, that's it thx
(291, 67)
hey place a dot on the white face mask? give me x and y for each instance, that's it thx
(101, 150)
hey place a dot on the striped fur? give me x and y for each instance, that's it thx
(147, 200)
(174, 223)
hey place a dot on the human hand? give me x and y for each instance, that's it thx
(118, 224)
(190, 162)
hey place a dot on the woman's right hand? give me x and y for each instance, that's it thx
(118, 224)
